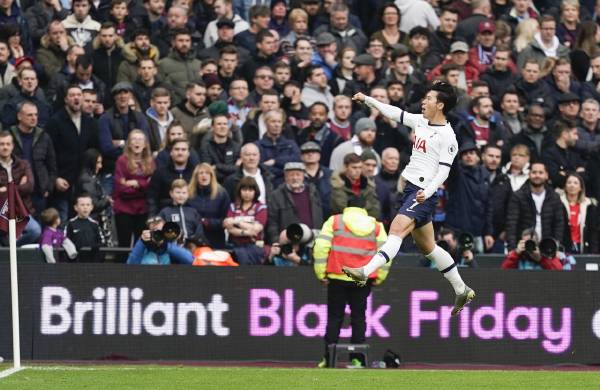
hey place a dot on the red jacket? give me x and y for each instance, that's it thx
(471, 73)
(512, 261)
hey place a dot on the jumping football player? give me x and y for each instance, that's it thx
(433, 152)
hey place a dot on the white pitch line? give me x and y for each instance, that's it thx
(10, 371)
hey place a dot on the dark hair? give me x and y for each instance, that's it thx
(180, 31)
(90, 157)
(389, 5)
(258, 10)
(107, 25)
(451, 10)
(229, 49)
(446, 68)
(490, 146)
(445, 94)
(246, 182)
(539, 163)
(479, 83)
(351, 158)
(562, 125)
(116, 2)
(83, 61)
(269, 92)
(82, 195)
(399, 53)
(218, 115)
(310, 69)
(140, 31)
(262, 34)
(315, 104)
(71, 86)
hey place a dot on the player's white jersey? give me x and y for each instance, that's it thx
(434, 145)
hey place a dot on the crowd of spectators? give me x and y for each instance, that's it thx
(234, 118)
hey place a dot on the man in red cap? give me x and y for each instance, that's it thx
(481, 55)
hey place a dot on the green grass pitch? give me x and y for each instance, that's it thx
(183, 377)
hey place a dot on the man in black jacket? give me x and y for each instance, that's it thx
(72, 133)
(535, 134)
(83, 76)
(535, 205)
(498, 76)
(561, 157)
(107, 57)
(219, 149)
(499, 194)
(250, 166)
(532, 89)
(445, 33)
(468, 209)
(179, 167)
(33, 144)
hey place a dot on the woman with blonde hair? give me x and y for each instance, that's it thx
(568, 28)
(133, 171)
(525, 33)
(581, 216)
(298, 20)
(211, 201)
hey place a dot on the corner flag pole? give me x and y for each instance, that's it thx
(14, 282)
(14, 292)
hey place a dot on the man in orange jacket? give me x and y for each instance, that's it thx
(348, 239)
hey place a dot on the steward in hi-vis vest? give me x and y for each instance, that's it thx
(348, 239)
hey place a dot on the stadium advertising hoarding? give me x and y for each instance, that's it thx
(87, 311)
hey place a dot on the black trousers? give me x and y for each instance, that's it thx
(340, 293)
(128, 225)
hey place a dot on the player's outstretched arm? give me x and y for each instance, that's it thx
(387, 110)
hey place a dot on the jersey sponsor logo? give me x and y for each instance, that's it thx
(420, 144)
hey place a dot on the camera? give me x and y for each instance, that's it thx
(465, 242)
(530, 246)
(296, 233)
(169, 232)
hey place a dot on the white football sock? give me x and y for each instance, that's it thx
(389, 249)
(446, 265)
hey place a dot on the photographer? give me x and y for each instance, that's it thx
(531, 254)
(461, 249)
(293, 248)
(157, 245)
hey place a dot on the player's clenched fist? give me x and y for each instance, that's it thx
(359, 97)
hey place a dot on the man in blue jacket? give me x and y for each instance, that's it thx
(275, 150)
(149, 250)
(469, 209)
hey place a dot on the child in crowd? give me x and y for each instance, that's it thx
(84, 231)
(179, 212)
(52, 238)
